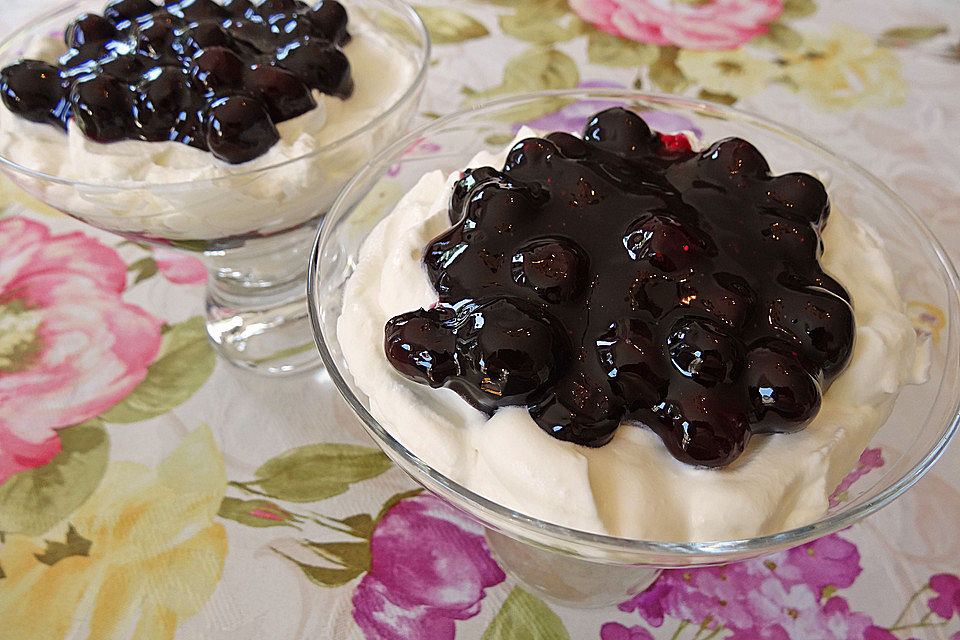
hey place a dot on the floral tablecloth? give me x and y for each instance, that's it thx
(148, 490)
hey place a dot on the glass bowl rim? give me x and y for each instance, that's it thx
(481, 506)
(415, 85)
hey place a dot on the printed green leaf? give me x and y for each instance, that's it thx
(395, 499)
(395, 26)
(256, 513)
(665, 73)
(543, 23)
(498, 139)
(723, 98)
(360, 525)
(349, 555)
(324, 576)
(798, 9)
(74, 545)
(377, 202)
(184, 363)
(318, 471)
(906, 36)
(780, 37)
(533, 70)
(34, 500)
(144, 268)
(604, 48)
(197, 246)
(447, 25)
(525, 617)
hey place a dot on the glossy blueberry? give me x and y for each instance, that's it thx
(239, 129)
(103, 107)
(165, 100)
(123, 13)
(686, 286)
(320, 66)
(632, 358)
(282, 92)
(90, 30)
(422, 345)
(783, 394)
(619, 130)
(700, 350)
(218, 69)
(704, 428)
(330, 18)
(582, 409)
(732, 160)
(666, 243)
(194, 11)
(555, 268)
(33, 90)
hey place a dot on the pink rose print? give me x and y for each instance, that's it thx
(710, 25)
(179, 268)
(777, 596)
(616, 631)
(430, 567)
(70, 347)
(947, 601)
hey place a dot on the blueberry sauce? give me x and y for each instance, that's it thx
(218, 77)
(625, 277)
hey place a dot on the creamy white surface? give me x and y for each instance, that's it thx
(631, 487)
(173, 190)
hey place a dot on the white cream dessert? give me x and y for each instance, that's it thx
(173, 190)
(631, 486)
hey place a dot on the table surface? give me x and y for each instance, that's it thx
(161, 493)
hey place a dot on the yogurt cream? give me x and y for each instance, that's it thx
(631, 487)
(171, 190)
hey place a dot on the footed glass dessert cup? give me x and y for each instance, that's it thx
(588, 569)
(252, 226)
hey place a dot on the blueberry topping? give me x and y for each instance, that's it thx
(783, 394)
(34, 90)
(239, 129)
(90, 30)
(330, 18)
(103, 107)
(217, 70)
(122, 13)
(165, 99)
(319, 64)
(190, 71)
(194, 11)
(623, 277)
(282, 92)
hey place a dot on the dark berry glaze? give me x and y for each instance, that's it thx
(625, 277)
(214, 76)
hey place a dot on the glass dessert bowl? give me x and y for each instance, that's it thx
(251, 220)
(578, 566)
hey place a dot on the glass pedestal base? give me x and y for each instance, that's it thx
(256, 306)
(274, 340)
(567, 580)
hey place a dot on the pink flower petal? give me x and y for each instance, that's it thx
(179, 268)
(715, 25)
(92, 347)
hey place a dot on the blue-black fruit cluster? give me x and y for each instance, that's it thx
(623, 276)
(218, 77)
